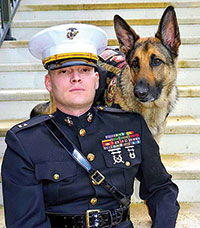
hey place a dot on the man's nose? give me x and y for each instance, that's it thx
(76, 77)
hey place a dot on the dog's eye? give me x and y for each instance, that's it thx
(156, 61)
(135, 63)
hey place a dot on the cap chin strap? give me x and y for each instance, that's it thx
(69, 56)
(63, 64)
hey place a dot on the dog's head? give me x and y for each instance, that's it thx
(150, 59)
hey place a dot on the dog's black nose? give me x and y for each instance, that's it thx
(141, 89)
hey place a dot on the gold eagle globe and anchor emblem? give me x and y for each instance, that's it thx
(72, 32)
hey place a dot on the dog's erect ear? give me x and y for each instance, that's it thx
(168, 30)
(125, 34)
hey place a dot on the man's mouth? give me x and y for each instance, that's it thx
(77, 90)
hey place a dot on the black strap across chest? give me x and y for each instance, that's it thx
(96, 176)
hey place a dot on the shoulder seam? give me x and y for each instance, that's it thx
(30, 123)
(109, 109)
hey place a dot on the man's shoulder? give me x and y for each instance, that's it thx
(116, 111)
(109, 109)
(30, 123)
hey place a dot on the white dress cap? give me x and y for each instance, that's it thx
(68, 41)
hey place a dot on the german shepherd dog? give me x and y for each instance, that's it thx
(147, 83)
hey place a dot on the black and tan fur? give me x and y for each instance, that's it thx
(147, 85)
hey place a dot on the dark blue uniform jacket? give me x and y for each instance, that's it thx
(39, 176)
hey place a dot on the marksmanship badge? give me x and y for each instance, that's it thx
(117, 156)
(72, 32)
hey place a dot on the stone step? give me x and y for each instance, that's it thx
(22, 55)
(30, 29)
(183, 125)
(97, 12)
(186, 106)
(179, 143)
(32, 5)
(139, 3)
(27, 80)
(188, 216)
(100, 22)
(182, 166)
(16, 109)
(24, 95)
(175, 125)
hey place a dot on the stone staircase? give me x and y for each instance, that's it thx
(22, 76)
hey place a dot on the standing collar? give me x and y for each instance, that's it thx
(75, 121)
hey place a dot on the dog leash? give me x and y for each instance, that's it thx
(96, 176)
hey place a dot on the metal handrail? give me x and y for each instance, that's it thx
(8, 10)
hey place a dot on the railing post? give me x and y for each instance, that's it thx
(6, 17)
(5, 12)
(8, 9)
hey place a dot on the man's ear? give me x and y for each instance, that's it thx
(47, 82)
(97, 80)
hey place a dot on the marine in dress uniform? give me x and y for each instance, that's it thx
(44, 187)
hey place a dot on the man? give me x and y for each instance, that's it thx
(43, 183)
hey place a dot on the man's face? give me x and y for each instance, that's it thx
(73, 88)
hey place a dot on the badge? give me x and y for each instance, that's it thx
(71, 33)
(131, 151)
(117, 156)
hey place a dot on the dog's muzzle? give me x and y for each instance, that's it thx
(144, 92)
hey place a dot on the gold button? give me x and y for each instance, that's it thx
(101, 108)
(56, 176)
(90, 157)
(82, 132)
(93, 201)
(127, 163)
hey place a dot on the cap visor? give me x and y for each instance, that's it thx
(69, 64)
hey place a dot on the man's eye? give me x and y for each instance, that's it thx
(62, 71)
(85, 70)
